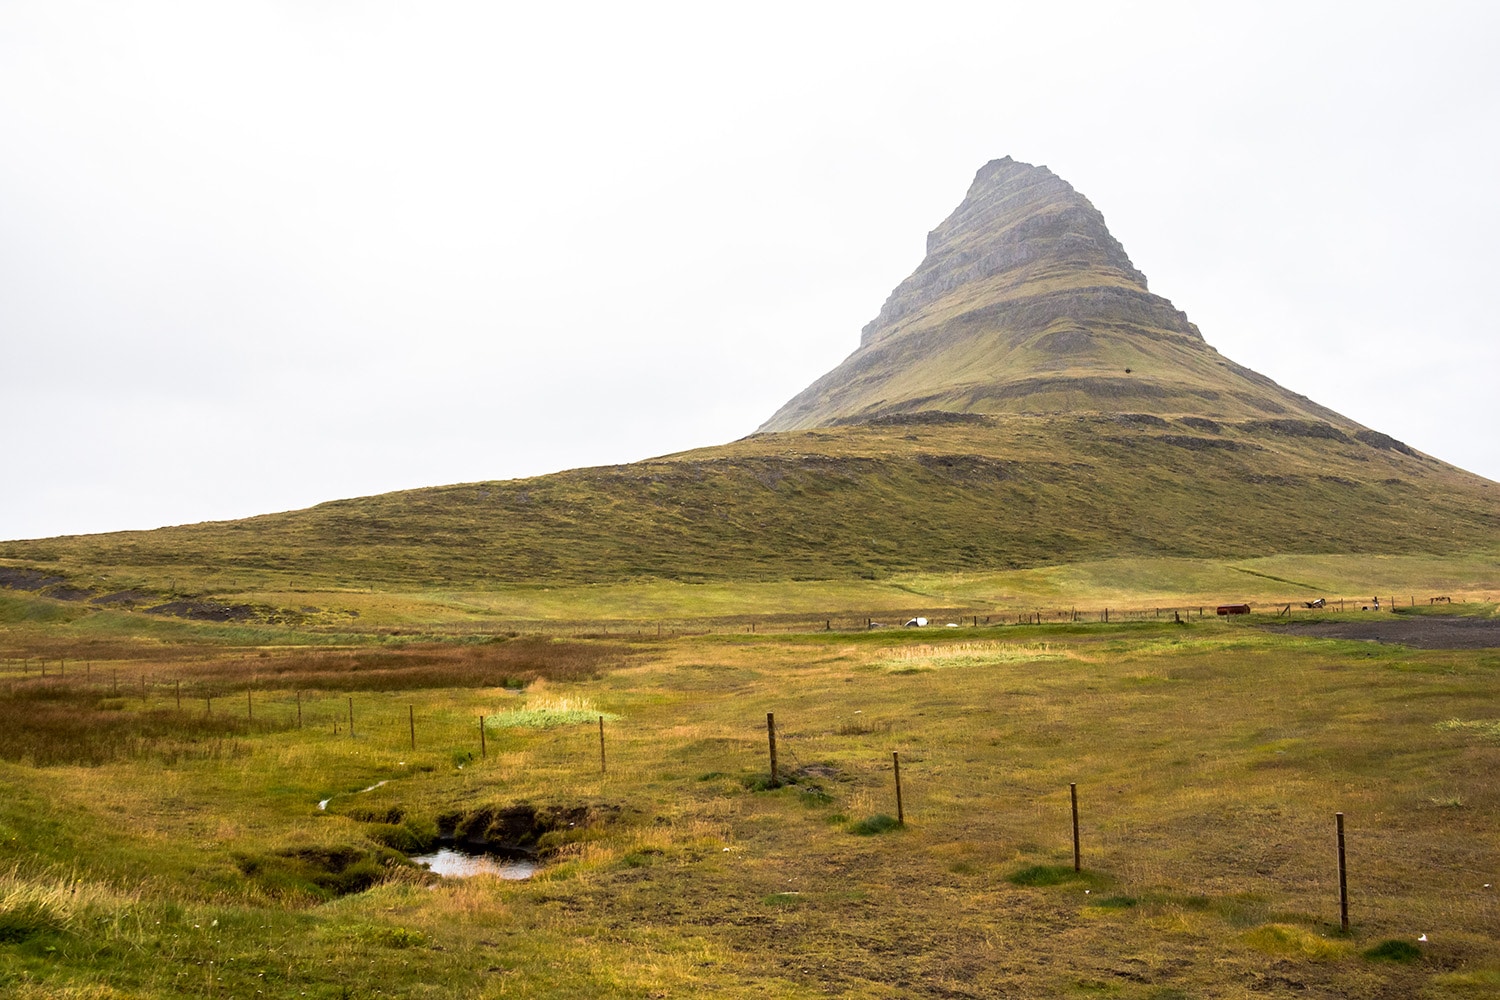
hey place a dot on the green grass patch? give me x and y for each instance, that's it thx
(547, 713)
(783, 899)
(1045, 875)
(1393, 950)
(640, 859)
(1488, 729)
(1294, 942)
(1475, 983)
(1116, 902)
(872, 825)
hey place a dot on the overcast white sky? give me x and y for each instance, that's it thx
(254, 256)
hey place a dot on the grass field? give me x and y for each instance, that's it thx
(1132, 586)
(152, 851)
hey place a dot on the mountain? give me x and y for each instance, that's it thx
(1026, 304)
(1022, 399)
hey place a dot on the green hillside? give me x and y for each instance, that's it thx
(847, 503)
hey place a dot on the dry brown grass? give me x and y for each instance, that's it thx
(514, 663)
(175, 707)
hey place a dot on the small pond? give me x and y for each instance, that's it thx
(457, 862)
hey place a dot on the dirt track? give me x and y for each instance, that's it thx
(1421, 632)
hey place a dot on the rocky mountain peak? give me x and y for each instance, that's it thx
(1024, 303)
(1015, 219)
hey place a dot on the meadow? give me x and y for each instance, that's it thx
(152, 850)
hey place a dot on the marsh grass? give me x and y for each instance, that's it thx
(38, 902)
(547, 712)
(512, 663)
(93, 716)
(1208, 772)
(859, 725)
(915, 659)
(56, 724)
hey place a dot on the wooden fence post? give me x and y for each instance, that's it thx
(896, 762)
(1343, 877)
(351, 717)
(771, 735)
(411, 720)
(1077, 855)
(601, 744)
(483, 752)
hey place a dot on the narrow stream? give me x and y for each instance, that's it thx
(323, 803)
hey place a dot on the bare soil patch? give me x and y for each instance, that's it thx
(205, 611)
(1420, 632)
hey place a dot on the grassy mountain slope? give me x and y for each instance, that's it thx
(851, 502)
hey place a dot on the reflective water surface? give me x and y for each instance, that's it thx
(451, 863)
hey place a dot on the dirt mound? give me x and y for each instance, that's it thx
(127, 598)
(17, 578)
(66, 592)
(521, 827)
(205, 611)
(1418, 632)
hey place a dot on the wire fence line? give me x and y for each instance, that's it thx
(20, 660)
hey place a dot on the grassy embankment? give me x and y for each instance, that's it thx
(1210, 759)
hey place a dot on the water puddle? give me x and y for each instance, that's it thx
(323, 803)
(454, 862)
